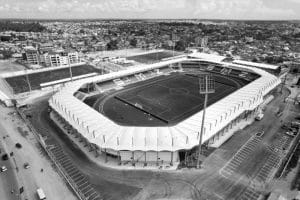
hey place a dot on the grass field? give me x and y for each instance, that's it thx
(153, 57)
(10, 66)
(20, 84)
(163, 100)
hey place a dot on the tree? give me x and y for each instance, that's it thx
(133, 42)
(112, 45)
(81, 31)
(180, 45)
(60, 32)
(21, 26)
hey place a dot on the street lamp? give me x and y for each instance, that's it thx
(206, 86)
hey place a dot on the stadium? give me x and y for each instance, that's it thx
(151, 114)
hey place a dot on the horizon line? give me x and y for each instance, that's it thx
(118, 18)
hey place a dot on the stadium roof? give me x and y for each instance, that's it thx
(258, 65)
(208, 57)
(105, 133)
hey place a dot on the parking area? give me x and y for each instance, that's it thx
(240, 157)
(265, 172)
(77, 179)
(250, 194)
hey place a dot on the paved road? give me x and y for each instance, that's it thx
(9, 178)
(194, 184)
(32, 178)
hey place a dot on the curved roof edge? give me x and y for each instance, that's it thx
(107, 134)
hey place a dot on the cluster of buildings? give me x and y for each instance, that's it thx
(269, 42)
(53, 58)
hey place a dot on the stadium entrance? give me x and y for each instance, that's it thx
(188, 158)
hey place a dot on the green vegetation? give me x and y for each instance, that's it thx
(21, 26)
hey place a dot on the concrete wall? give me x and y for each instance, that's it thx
(149, 156)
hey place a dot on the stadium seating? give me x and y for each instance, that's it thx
(210, 67)
(108, 85)
(235, 72)
(142, 76)
(119, 82)
(138, 77)
(80, 95)
(167, 70)
(126, 80)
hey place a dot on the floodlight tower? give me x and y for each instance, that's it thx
(206, 86)
(27, 80)
(70, 69)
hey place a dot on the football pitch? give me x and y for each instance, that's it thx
(21, 83)
(153, 57)
(163, 101)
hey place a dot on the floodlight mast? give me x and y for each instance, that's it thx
(70, 69)
(206, 87)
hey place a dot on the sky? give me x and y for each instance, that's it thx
(200, 9)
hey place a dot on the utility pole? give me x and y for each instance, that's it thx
(284, 80)
(206, 86)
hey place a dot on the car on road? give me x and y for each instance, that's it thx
(5, 156)
(259, 117)
(41, 194)
(290, 133)
(26, 165)
(279, 113)
(18, 145)
(284, 126)
(3, 169)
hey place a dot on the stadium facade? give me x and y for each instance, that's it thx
(163, 144)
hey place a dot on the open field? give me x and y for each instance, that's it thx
(153, 57)
(10, 66)
(20, 84)
(116, 53)
(165, 100)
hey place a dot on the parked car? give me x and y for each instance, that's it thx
(18, 145)
(295, 124)
(26, 165)
(284, 126)
(5, 156)
(290, 133)
(259, 117)
(3, 169)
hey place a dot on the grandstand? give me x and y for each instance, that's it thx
(156, 116)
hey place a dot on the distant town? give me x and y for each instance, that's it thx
(49, 43)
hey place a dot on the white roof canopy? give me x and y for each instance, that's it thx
(107, 134)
